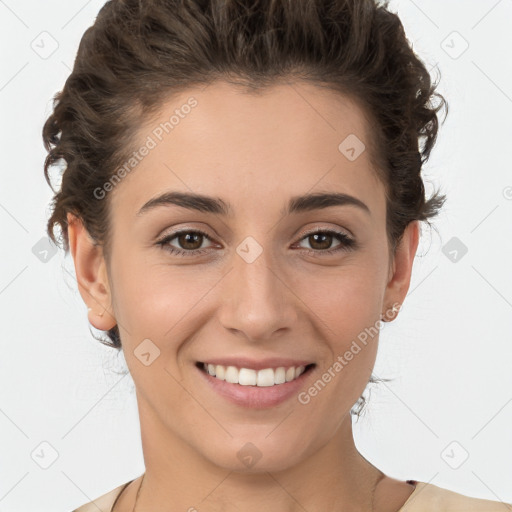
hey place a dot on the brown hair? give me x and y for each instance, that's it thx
(138, 53)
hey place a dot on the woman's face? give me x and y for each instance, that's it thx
(252, 287)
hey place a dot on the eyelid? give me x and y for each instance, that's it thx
(312, 231)
(321, 229)
(179, 228)
(346, 242)
(166, 238)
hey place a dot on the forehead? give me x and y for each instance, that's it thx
(220, 140)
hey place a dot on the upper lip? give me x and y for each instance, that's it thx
(257, 364)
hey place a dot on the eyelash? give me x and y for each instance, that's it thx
(346, 244)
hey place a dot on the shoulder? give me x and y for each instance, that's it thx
(103, 503)
(427, 497)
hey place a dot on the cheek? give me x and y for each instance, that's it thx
(346, 299)
(157, 300)
(346, 306)
(346, 309)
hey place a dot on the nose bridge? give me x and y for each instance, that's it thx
(258, 301)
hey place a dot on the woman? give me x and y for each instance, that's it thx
(242, 202)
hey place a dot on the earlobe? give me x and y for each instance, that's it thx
(91, 274)
(398, 285)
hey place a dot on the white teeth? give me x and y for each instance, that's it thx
(248, 377)
(299, 371)
(265, 377)
(231, 375)
(220, 372)
(280, 375)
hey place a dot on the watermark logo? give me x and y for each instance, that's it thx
(44, 455)
(44, 250)
(455, 455)
(454, 249)
(249, 454)
(146, 352)
(454, 45)
(45, 45)
(249, 249)
(352, 147)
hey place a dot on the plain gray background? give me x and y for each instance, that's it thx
(68, 418)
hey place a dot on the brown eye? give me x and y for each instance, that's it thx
(190, 240)
(321, 241)
(188, 243)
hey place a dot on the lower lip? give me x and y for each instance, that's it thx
(256, 397)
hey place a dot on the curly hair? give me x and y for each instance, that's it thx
(138, 53)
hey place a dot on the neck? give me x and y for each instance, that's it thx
(177, 477)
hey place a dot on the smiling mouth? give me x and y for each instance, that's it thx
(266, 377)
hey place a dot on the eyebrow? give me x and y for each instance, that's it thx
(217, 206)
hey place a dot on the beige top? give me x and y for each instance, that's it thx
(425, 498)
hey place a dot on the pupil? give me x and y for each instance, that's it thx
(325, 236)
(187, 238)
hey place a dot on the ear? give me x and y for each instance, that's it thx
(400, 275)
(91, 274)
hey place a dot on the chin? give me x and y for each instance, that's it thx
(254, 453)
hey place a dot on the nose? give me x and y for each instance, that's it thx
(257, 300)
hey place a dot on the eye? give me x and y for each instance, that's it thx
(189, 241)
(321, 241)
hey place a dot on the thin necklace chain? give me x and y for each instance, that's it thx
(138, 492)
(123, 490)
(142, 480)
